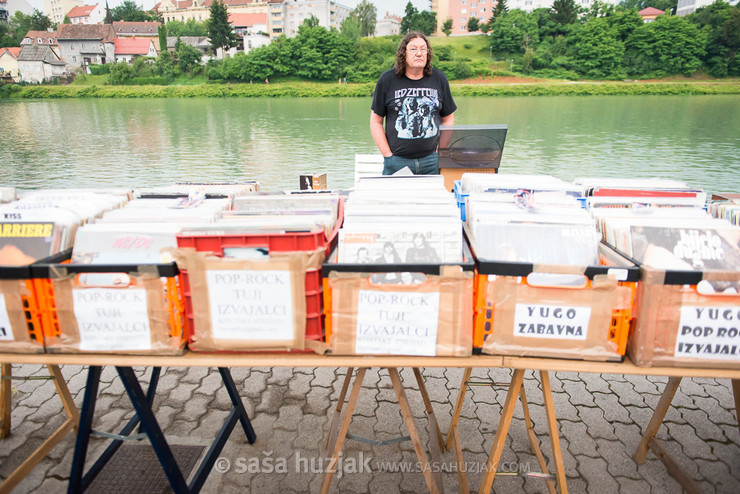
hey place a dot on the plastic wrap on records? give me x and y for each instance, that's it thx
(401, 246)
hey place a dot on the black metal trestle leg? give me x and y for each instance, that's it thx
(145, 419)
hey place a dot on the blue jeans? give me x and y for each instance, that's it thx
(427, 165)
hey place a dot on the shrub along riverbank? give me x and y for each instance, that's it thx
(364, 90)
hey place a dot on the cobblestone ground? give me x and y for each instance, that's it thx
(601, 420)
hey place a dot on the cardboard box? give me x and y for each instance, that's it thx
(140, 313)
(399, 309)
(247, 304)
(677, 326)
(585, 314)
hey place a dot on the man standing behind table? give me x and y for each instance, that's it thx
(414, 99)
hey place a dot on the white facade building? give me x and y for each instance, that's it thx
(57, 9)
(330, 14)
(388, 25)
(686, 7)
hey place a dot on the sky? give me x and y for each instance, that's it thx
(393, 6)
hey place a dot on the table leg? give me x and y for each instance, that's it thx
(458, 405)
(40, 453)
(64, 394)
(552, 426)
(343, 429)
(152, 429)
(331, 438)
(462, 479)
(736, 393)
(84, 429)
(6, 373)
(415, 439)
(436, 443)
(434, 431)
(502, 431)
(657, 418)
(533, 443)
(238, 404)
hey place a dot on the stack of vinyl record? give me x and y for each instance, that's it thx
(400, 220)
(662, 225)
(44, 223)
(507, 184)
(640, 192)
(726, 206)
(529, 218)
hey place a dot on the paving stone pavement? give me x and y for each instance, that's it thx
(601, 420)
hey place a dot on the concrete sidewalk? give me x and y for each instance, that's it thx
(601, 419)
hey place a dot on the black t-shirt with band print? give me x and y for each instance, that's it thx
(413, 111)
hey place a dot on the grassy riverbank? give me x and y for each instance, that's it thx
(490, 87)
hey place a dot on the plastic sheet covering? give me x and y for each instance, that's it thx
(562, 322)
(133, 318)
(16, 338)
(399, 319)
(248, 304)
(679, 327)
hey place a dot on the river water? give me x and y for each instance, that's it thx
(134, 143)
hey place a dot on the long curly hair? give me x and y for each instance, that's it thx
(400, 65)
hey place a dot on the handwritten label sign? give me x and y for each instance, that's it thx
(397, 323)
(251, 305)
(709, 333)
(560, 322)
(6, 332)
(111, 319)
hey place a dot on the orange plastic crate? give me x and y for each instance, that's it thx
(619, 329)
(43, 289)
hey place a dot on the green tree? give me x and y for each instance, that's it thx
(668, 45)
(409, 15)
(321, 54)
(564, 11)
(514, 31)
(597, 51)
(165, 65)
(720, 23)
(66, 20)
(120, 73)
(188, 58)
(367, 14)
(447, 26)
(500, 9)
(350, 28)
(129, 11)
(311, 21)
(40, 21)
(191, 27)
(473, 24)
(219, 29)
(162, 34)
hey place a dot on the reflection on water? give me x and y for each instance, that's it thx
(87, 143)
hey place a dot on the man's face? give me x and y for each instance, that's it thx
(416, 53)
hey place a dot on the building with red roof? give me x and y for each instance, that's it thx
(9, 62)
(649, 14)
(87, 14)
(249, 23)
(126, 49)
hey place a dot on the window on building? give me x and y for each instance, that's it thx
(463, 11)
(71, 46)
(74, 59)
(473, 5)
(463, 19)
